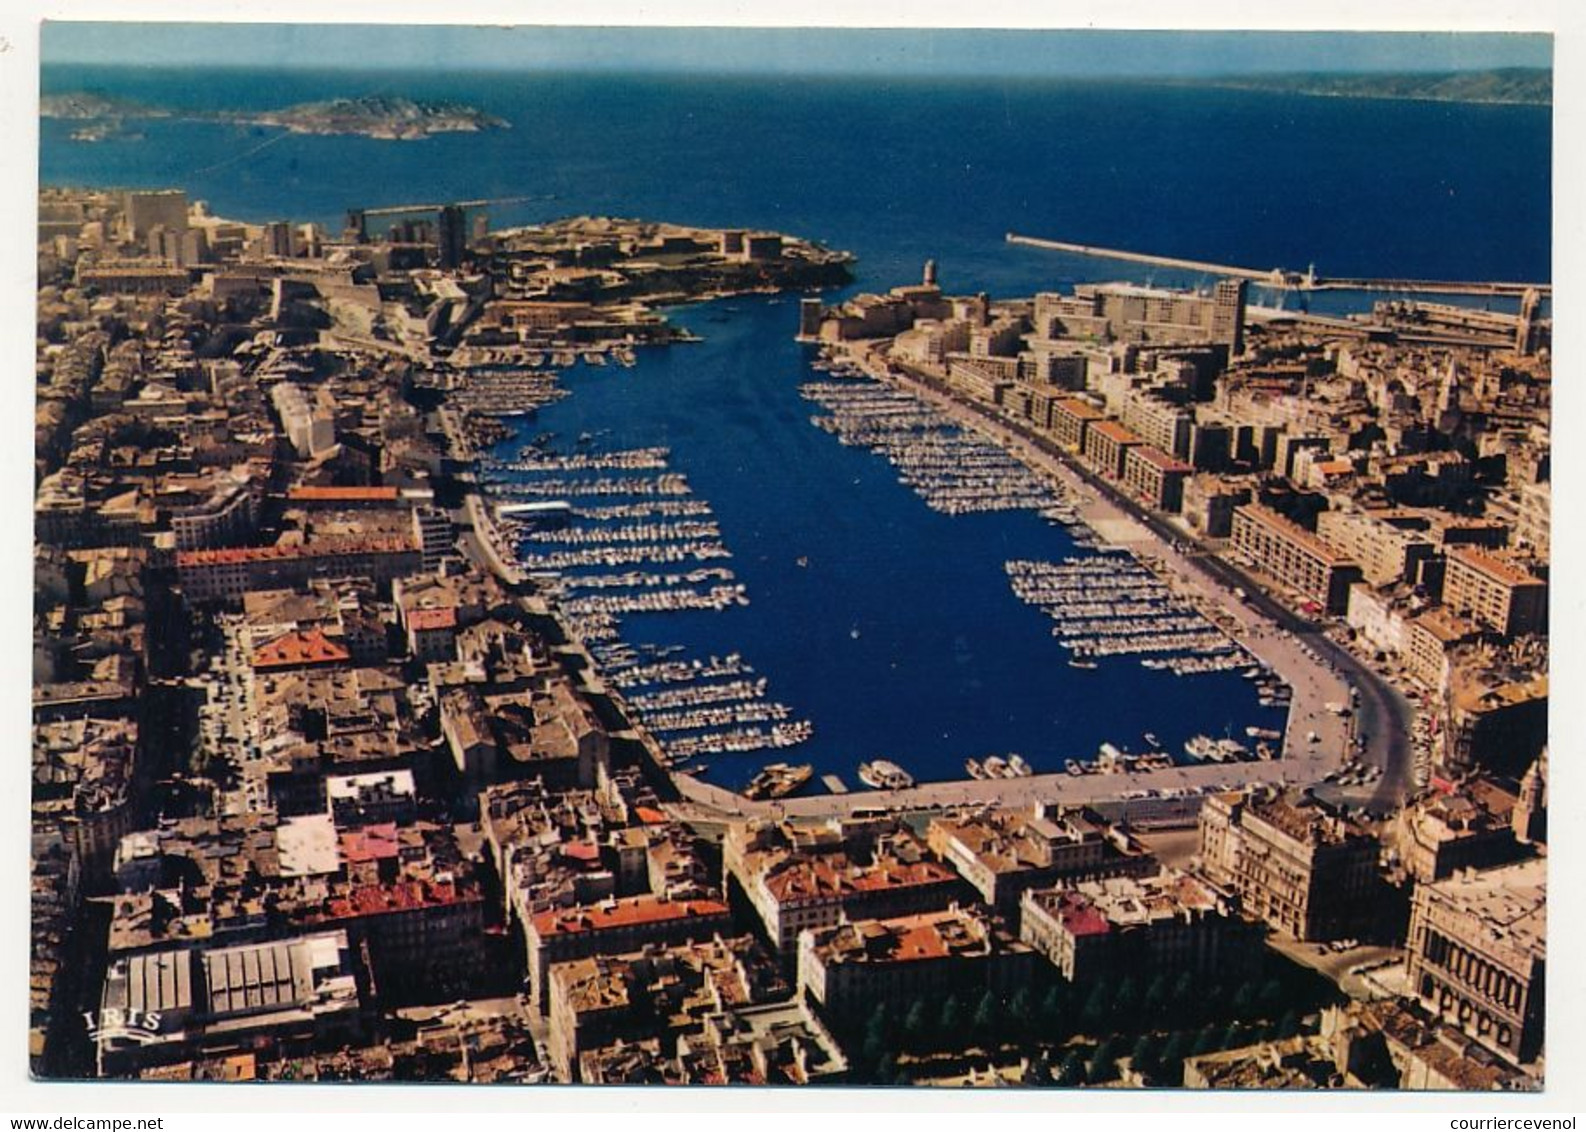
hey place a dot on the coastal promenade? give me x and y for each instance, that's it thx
(704, 802)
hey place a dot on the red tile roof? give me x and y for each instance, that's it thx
(371, 843)
(1080, 917)
(342, 495)
(822, 876)
(1115, 432)
(299, 649)
(622, 913)
(403, 896)
(444, 617)
(1083, 410)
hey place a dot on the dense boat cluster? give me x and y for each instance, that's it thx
(1110, 605)
(505, 392)
(597, 529)
(516, 356)
(954, 471)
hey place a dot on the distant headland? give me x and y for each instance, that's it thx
(1527, 86)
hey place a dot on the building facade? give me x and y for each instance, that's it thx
(1478, 954)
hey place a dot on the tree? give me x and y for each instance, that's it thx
(1144, 1057)
(1185, 998)
(987, 1015)
(1213, 1003)
(1289, 1024)
(1072, 1071)
(1054, 1012)
(879, 1025)
(1234, 1036)
(1245, 1000)
(951, 1018)
(1021, 1015)
(1206, 1040)
(914, 1026)
(1098, 1007)
(1126, 1003)
(1157, 996)
(1171, 1061)
(1103, 1063)
(1272, 998)
(887, 1071)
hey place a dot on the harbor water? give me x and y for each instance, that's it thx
(889, 626)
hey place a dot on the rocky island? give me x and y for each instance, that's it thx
(371, 116)
(396, 119)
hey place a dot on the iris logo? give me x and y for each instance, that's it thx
(123, 1025)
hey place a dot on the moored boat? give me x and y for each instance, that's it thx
(778, 780)
(884, 775)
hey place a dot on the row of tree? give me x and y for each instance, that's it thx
(1122, 1012)
(1157, 1057)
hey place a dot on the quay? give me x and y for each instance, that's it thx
(1184, 784)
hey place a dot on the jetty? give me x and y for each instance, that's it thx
(1290, 280)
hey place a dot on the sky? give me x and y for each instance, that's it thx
(929, 52)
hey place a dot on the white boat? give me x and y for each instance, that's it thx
(1018, 766)
(885, 775)
(973, 768)
(996, 767)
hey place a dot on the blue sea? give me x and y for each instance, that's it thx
(889, 626)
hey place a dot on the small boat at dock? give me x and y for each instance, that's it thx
(778, 780)
(884, 775)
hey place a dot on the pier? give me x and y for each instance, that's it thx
(1289, 280)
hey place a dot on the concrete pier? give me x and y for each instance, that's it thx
(1290, 280)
